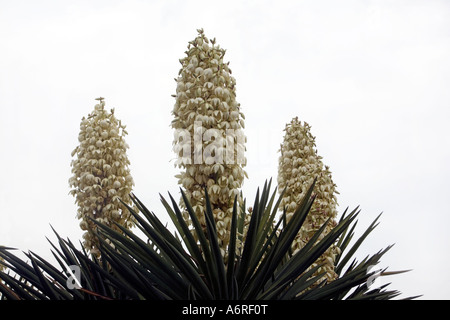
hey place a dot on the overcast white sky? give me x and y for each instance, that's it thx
(372, 78)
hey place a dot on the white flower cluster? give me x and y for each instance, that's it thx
(299, 165)
(205, 103)
(101, 176)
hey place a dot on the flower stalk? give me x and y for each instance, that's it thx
(209, 141)
(299, 164)
(101, 176)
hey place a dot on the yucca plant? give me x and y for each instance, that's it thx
(218, 250)
(168, 265)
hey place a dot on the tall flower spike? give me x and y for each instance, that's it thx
(209, 140)
(299, 164)
(101, 176)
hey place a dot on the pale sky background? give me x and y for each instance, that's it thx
(372, 78)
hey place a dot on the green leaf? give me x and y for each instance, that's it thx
(232, 252)
(219, 268)
(341, 263)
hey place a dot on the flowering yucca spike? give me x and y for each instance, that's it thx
(209, 139)
(101, 175)
(299, 164)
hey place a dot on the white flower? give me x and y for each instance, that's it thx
(115, 214)
(199, 71)
(104, 123)
(208, 73)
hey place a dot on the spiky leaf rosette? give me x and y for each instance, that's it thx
(160, 265)
(101, 175)
(209, 140)
(299, 165)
